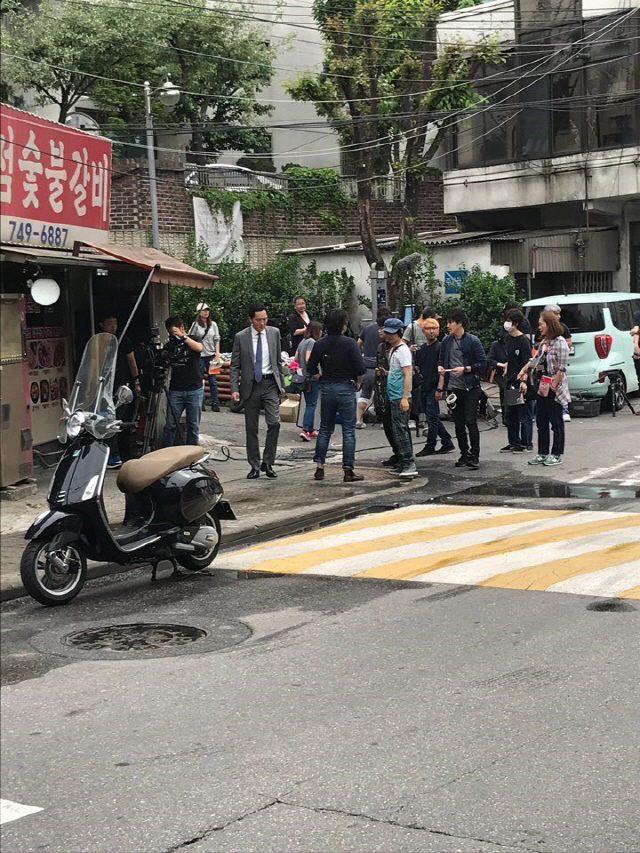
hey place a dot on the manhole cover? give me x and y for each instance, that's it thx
(139, 636)
(610, 605)
(136, 640)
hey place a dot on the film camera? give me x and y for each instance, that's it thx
(154, 360)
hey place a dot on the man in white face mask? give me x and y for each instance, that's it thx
(518, 411)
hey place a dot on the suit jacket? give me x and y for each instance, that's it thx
(242, 360)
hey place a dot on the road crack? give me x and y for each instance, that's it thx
(219, 827)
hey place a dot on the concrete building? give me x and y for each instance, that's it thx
(554, 147)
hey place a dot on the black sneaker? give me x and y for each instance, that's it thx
(215, 407)
(446, 448)
(472, 463)
(506, 449)
(391, 462)
(518, 449)
(462, 462)
(426, 451)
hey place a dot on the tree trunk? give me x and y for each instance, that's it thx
(367, 231)
(411, 206)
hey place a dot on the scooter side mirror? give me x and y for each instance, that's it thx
(124, 396)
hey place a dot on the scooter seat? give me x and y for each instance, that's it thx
(136, 474)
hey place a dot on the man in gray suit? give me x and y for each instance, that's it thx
(257, 381)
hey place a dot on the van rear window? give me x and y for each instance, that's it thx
(579, 318)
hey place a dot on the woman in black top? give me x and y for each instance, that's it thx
(299, 319)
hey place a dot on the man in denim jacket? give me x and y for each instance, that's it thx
(462, 361)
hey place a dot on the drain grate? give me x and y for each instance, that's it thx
(138, 637)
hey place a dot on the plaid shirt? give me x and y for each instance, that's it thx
(556, 353)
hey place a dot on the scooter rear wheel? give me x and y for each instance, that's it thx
(199, 560)
(49, 583)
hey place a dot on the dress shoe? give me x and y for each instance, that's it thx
(253, 474)
(426, 451)
(319, 474)
(268, 470)
(350, 476)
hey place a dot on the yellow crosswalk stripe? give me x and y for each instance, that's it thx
(406, 569)
(315, 557)
(542, 576)
(367, 521)
(634, 592)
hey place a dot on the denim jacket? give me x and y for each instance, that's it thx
(473, 356)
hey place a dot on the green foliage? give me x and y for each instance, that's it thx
(482, 296)
(135, 42)
(316, 191)
(275, 284)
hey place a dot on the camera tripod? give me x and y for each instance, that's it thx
(158, 389)
(617, 387)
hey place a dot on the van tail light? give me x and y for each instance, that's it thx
(603, 345)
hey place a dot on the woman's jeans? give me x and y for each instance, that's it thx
(337, 397)
(549, 414)
(310, 403)
(205, 361)
(519, 420)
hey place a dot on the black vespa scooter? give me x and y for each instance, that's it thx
(174, 497)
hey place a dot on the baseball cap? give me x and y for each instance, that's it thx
(554, 308)
(393, 325)
(202, 306)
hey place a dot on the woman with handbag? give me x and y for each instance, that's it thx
(547, 374)
(518, 410)
(312, 333)
(205, 330)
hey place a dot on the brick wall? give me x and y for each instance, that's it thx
(265, 232)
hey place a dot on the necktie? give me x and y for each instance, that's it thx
(257, 365)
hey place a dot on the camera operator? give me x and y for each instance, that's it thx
(186, 393)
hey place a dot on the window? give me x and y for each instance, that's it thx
(622, 315)
(578, 317)
(567, 112)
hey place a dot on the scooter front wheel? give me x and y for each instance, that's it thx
(53, 577)
(200, 559)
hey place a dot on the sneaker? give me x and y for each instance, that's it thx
(360, 425)
(318, 474)
(506, 449)
(537, 460)
(215, 407)
(552, 460)
(462, 462)
(529, 447)
(518, 449)
(304, 435)
(472, 463)
(313, 434)
(446, 448)
(391, 462)
(426, 451)
(566, 417)
(409, 472)
(114, 461)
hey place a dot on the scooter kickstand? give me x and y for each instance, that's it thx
(154, 572)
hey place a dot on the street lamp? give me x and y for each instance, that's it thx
(169, 95)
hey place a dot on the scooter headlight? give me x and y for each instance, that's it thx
(75, 424)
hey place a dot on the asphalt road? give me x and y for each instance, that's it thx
(336, 714)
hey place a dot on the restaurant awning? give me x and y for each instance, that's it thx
(166, 269)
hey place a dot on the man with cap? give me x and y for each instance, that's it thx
(566, 334)
(399, 381)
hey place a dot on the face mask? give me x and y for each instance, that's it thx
(508, 325)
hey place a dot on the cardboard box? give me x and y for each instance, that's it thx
(289, 409)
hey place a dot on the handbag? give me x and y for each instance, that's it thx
(299, 384)
(513, 397)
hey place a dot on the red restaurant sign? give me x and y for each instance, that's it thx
(55, 182)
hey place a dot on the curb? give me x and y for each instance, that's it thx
(361, 505)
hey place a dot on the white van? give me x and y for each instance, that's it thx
(599, 324)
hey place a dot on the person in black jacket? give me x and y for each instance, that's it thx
(461, 362)
(342, 370)
(518, 416)
(298, 321)
(426, 359)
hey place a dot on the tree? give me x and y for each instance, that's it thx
(385, 88)
(63, 52)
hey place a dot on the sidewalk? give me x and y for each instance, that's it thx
(264, 508)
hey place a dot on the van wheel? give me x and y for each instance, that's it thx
(615, 397)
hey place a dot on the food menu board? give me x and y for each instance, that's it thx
(47, 353)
